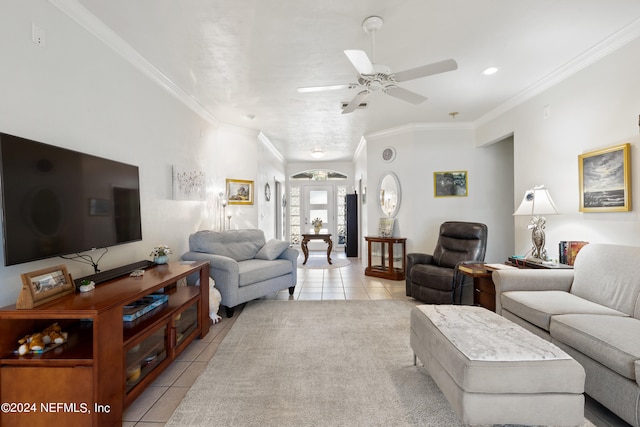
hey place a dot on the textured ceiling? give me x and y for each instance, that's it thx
(239, 58)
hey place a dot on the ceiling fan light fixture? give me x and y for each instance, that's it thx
(317, 153)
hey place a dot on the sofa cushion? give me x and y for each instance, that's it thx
(537, 307)
(272, 249)
(607, 274)
(258, 270)
(239, 245)
(614, 341)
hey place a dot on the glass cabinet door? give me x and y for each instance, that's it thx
(186, 322)
(144, 356)
(386, 257)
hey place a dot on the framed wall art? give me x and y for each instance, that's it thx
(605, 179)
(450, 184)
(239, 192)
(42, 286)
(189, 184)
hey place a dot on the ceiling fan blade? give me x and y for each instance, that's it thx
(426, 70)
(355, 102)
(405, 95)
(324, 88)
(360, 61)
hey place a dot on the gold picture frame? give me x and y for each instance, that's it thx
(450, 184)
(45, 285)
(239, 192)
(605, 179)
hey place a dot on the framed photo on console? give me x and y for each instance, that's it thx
(42, 286)
(605, 179)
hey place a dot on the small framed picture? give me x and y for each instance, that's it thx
(605, 179)
(42, 286)
(385, 227)
(239, 192)
(450, 184)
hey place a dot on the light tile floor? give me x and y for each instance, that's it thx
(155, 406)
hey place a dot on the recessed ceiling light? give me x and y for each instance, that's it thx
(489, 71)
(317, 153)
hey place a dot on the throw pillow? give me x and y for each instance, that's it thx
(272, 249)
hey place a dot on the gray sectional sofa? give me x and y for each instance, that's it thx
(243, 264)
(592, 312)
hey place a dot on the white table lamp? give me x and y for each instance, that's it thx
(537, 202)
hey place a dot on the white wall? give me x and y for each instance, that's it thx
(79, 94)
(596, 108)
(422, 150)
(270, 169)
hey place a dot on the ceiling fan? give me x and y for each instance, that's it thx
(379, 78)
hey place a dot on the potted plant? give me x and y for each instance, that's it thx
(317, 225)
(160, 254)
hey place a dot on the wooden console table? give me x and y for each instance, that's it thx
(313, 236)
(106, 362)
(386, 257)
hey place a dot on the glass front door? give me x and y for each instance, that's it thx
(319, 203)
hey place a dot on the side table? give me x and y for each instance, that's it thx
(312, 236)
(386, 257)
(484, 291)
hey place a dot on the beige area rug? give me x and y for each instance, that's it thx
(320, 261)
(316, 363)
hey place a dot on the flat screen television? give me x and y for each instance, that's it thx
(57, 201)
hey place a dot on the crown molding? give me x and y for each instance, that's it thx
(267, 143)
(412, 127)
(93, 25)
(597, 52)
(359, 148)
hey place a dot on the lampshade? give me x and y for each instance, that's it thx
(537, 201)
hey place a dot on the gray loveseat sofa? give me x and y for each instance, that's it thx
(243, 264)
(592, 312)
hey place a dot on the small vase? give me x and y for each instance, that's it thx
(161, 259)
(316, 229)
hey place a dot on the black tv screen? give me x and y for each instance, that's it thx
(57, 201)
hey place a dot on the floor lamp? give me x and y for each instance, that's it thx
(537, 201)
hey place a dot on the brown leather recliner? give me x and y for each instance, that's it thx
(435, 279)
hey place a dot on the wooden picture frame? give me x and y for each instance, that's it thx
(450, 184)
(605, 179)
(239, 192)
(45, 285)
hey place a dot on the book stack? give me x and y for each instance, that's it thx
(568, 249)
(142, 306)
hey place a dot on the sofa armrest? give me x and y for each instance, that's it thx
(292, 255)
(222, 269)
(413, 259)
(417, 258)
(530, 280)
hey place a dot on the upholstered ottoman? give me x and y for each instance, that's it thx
(493, 371)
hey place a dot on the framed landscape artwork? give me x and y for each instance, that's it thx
(605, 179)
(239, 192)
(450, 184)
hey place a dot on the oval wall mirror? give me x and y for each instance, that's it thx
(389, 194)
